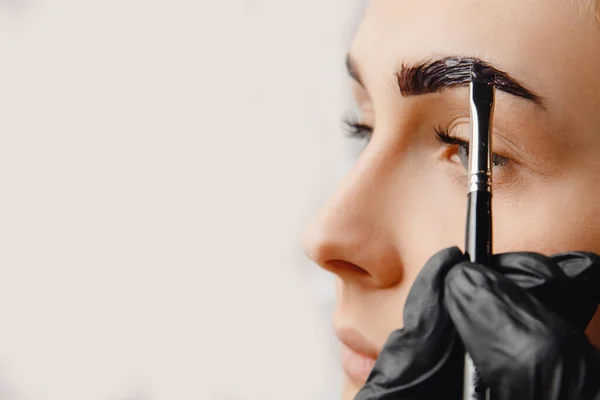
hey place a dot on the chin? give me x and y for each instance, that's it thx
(350, 389)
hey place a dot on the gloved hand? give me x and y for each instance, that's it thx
(522, 323)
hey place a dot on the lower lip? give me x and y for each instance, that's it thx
(357, 366)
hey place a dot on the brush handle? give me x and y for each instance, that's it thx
(478, 247)
(478, 244)
(478, 239)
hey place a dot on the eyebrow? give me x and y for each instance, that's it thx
(433, 76)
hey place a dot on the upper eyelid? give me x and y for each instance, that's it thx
(453, 140)
(352, 119)
(446, 138)
(356, 126)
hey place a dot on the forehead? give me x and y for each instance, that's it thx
(467, 24)
(535, 40)
(552, 46)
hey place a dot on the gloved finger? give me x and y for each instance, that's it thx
(529, 271)
(583, 271)
(578, 265)
(424, 358)
(518, 345)
(575, 275)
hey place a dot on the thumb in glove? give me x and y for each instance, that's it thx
(424, 360)
(522, 323)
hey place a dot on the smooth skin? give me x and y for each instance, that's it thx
(405, 198)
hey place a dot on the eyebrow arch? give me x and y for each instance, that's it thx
(435, 75)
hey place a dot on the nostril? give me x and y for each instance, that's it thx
(345, 268)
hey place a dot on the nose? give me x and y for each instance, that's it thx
(354, 234)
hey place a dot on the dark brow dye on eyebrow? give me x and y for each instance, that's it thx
(434, 75)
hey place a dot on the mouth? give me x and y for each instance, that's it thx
(358, 355)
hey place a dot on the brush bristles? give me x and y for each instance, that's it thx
(481, 74)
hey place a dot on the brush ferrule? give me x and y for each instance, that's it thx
(480, 149)
(480, 182)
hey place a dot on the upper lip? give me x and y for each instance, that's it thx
(357, 342)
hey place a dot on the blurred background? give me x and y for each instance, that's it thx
(159, 162)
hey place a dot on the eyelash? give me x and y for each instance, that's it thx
(445, 138)
(364, 132)
(357, 130)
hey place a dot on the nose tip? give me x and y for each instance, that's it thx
(348, 252)
(354, 235)
(316, 245)
(323, 249)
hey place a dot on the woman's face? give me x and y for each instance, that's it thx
(405, 197)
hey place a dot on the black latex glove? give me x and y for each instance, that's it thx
(522, 324)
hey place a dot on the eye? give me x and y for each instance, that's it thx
(356, 129)
(461, 154)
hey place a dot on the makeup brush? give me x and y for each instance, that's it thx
(478, 241)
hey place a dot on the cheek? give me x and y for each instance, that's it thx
(547, 219)
(433, 219)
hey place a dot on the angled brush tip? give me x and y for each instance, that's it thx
(480, 73)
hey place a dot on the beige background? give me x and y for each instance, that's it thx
(158, 163)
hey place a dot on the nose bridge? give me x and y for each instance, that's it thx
(353, 235)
